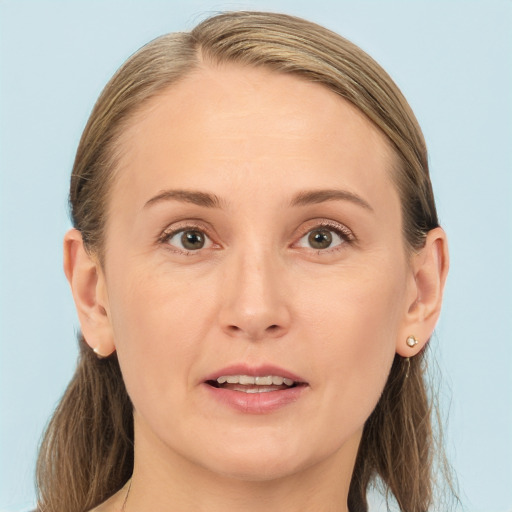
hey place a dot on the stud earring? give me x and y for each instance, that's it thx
(411, 341)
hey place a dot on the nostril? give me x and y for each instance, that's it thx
(252, 332)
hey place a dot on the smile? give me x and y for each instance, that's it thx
(255, 390)
(253, 384)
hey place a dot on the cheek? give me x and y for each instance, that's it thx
(354, 326)
(158, 323)
(147, 302)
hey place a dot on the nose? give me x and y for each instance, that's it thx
(255, 305)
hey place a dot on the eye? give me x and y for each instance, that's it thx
(324, 237)
(188, 240)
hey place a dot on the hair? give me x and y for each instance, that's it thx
(87, 452)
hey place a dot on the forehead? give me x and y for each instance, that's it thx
(228, 126)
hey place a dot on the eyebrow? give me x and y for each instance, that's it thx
(187, 196)
(303, 198)
(308, 197)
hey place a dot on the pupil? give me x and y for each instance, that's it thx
(192, 240)
(320, 239)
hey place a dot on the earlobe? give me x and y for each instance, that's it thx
(430, 268)
(87, 281)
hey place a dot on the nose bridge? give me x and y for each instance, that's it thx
(254, 303)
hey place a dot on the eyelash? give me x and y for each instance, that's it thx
(170, 233)
(346, 235)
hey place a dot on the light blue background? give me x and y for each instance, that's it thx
(453, 61)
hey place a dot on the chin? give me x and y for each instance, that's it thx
(257, 470)
(262, 461)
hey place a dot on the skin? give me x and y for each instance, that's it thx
(257, 292)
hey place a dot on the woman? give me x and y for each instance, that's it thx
(257, 268)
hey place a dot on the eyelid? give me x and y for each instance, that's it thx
(192, 224)
(186, 225)
(346, 234)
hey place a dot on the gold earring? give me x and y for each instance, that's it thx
(411, 341)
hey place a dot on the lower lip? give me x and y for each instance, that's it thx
(256, 403)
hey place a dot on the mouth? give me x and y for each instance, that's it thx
(262, 389)
(254, 383)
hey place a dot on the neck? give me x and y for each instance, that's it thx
(163, 481)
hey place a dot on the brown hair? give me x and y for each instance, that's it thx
(87, 452)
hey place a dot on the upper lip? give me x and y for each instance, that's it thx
(255, 371)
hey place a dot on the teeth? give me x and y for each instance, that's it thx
(267, 380)
(256, 390)
(262, 381)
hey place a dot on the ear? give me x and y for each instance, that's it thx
(429, 268)
(88, 286)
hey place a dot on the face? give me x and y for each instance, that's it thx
(255, 274)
